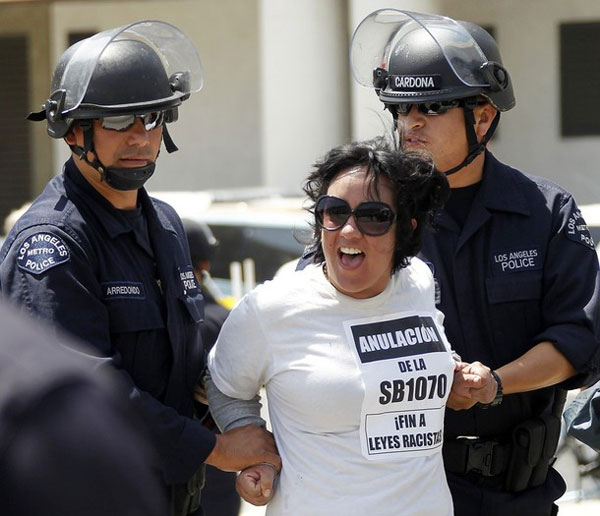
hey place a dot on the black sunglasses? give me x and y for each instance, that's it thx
(439, 107)
(373, 218)
(124, 122)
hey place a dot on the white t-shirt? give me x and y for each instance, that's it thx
(356, 391)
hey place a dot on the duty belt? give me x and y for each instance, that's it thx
(469, 454)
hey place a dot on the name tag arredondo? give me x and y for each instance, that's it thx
(123, 290)
(407, 373)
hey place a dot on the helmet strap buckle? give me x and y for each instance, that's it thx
(55, 104)
(380, 78)
(495, 74)
(180, 81)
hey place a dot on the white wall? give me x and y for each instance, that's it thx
(218, 128)
(279, 93)
(305, 86)
(276, 95)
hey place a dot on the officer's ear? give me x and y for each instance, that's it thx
(70, 138)
(484, 115)
(75, 135)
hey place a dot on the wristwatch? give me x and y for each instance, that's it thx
(499, 393)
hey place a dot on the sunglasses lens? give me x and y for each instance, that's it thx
(332, 213)
(428, 108)
(374, 218)
(403, 109)
(118, 123)
(432, 108)
(125, 122)
(437, 108)
(153, 120)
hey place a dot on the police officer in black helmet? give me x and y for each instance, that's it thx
(98, 257)
(219, 496)
(203, 246)
(514, 263)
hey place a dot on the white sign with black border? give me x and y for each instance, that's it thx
(407, 371)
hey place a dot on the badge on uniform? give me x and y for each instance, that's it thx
(526, 257)
(188, 280)
(577, 230)
(41, 252)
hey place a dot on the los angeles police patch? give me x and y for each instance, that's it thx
(41, 252)
(577, 230)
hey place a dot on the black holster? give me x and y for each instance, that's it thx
(534, 443)
(185, 498)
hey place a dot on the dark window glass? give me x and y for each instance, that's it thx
(15, 176)
(580, 78)
(269, 247)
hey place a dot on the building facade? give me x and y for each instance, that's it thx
(278, 91)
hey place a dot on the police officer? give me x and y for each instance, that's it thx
(69, 443)
(219, 497)
(98, 257)
(514, 263)
(203, 246)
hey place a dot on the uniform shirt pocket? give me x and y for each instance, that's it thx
(131, 307)
(194, 305)
(520, 287)
(514, 314)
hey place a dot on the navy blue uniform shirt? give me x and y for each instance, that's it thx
(74, 260)
(522, 270)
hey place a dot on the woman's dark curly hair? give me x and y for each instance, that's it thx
(418, 188)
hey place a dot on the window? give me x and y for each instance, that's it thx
(580, 78)
(15, 177)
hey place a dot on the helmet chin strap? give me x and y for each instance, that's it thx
(119, 178)
(475, 147)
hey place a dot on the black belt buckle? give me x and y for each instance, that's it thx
(480, 456)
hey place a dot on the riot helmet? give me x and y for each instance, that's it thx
(414, 58)
(201, 241)
(145, 69)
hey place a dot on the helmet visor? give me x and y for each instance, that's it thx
(178, 54)
(375, 40)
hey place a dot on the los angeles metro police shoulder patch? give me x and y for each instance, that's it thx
(41, 252)
(577, 230)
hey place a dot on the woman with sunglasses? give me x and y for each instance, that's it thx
(351, 350)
